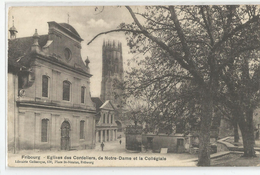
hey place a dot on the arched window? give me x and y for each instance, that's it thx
(45, 86)
(44, 136)
(83, 94)
(81, 133)
(66, 90)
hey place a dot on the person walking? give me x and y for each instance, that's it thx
(120, 142)
(102, 146)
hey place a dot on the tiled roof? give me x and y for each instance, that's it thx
(98, 102)
(19, 50)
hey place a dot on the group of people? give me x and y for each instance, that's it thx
(103, 145)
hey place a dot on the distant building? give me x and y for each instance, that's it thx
(112, 79)
(112, 72)
(139, 140)
(106, 127)
(49, 103)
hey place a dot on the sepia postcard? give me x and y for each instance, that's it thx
(133, 86)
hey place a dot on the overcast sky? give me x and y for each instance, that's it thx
(86, 21)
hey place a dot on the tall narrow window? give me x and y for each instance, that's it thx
(112, 118)
(44, 130)
(108, 116)
(82, 94)
(81, 134)
(104, 118)
(45, 86)
(66, 90)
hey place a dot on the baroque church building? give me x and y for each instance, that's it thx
(49, 103)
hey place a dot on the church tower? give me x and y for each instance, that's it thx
(112, 72)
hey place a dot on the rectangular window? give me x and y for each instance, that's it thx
(112, 118)
(82, 94)
(44, 86)
(81, 134)
(44, 130)
(66, 90)
(108, 116)
(104, 118)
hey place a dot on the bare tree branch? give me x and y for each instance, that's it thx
(111, 31)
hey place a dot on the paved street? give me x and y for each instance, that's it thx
(113, 146)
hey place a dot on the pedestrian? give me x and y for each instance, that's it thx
(102, 146)
(120, 142)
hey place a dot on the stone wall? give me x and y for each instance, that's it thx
(30, 128)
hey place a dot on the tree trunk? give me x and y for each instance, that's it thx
(205, 124)
(247, 130)
(236, 135)
(250, 152)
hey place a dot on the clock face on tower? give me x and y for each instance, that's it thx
(67, 54)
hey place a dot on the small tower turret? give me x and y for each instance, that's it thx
(13, 31)
(35, 47)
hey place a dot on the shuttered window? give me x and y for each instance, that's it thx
(81, 134)
(66, 90)
(44, 130)
(45, 86)
(82, 94)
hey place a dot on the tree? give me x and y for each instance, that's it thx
(194, 41)
(242, 96)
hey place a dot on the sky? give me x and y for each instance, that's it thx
(86, 21)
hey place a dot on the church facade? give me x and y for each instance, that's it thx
(49, 103)
(106, 127)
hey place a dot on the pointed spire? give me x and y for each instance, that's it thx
(35, 47)
(35, 38)
(68, 18)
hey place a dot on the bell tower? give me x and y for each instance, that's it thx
(112, 72)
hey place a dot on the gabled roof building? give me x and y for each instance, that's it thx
(106, 126)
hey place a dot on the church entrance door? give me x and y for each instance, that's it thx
(65, 136)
